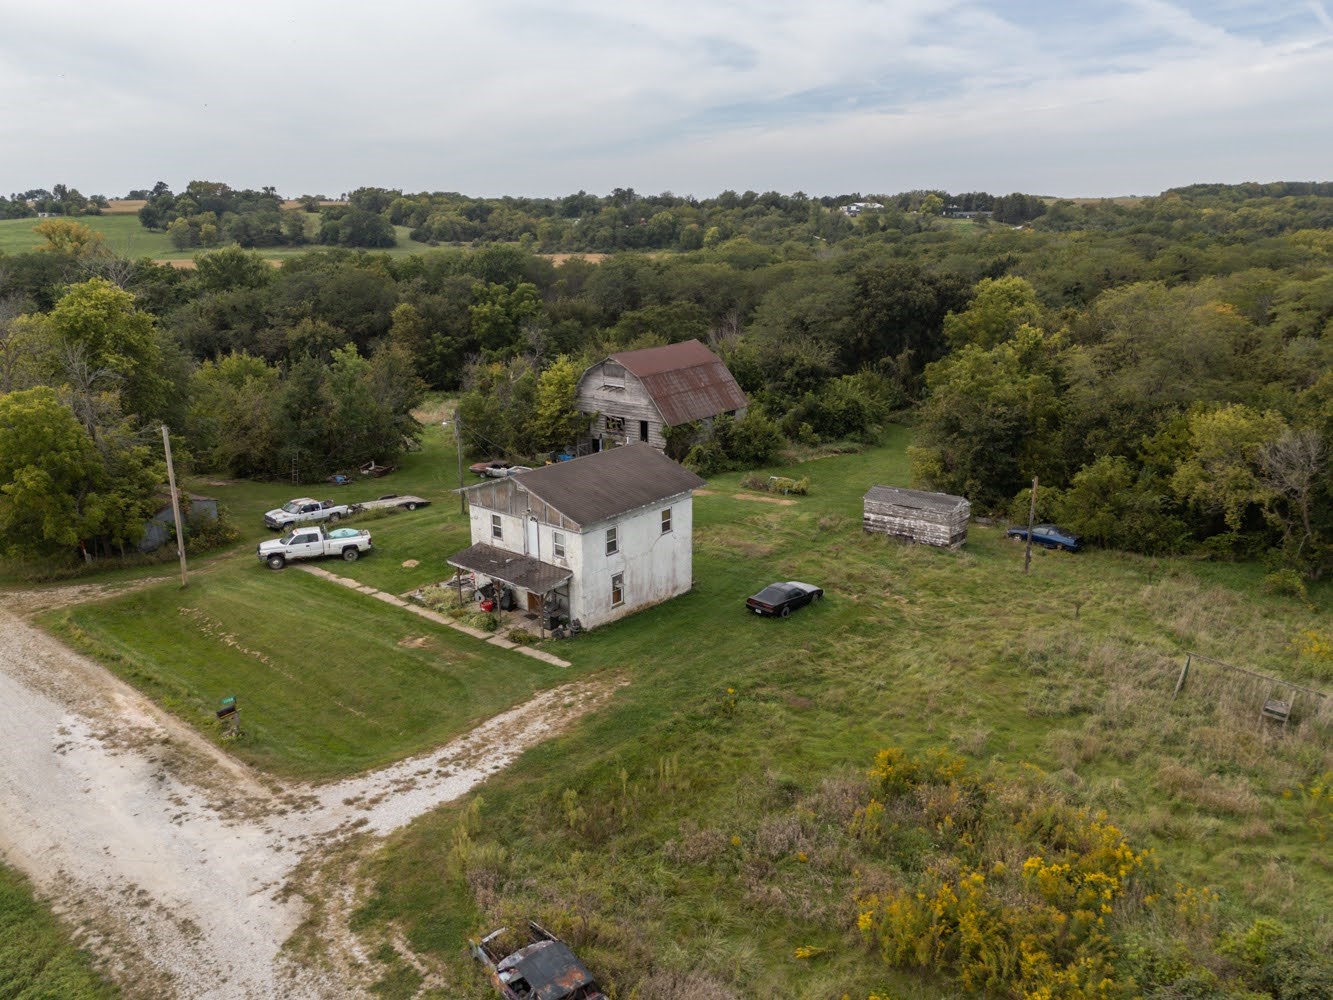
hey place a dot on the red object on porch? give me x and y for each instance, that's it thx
(488, 605)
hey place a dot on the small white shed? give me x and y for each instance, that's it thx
(916, 516)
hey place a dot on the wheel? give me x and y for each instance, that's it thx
(276, 562)
(411, 506)
(333, 518)
(785, 612)
(350, 554)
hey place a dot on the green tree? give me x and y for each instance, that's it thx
(48, 466)
(1223, 472)
(998, 308)
(97, 324)
(988, 423)
(232, 422)
(557, 421)
(231, 268)
(58, 489)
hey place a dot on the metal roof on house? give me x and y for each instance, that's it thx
(597, 487)
(513, 568)
(687, 381)
(916, 499)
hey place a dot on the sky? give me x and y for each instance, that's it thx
(496, 97)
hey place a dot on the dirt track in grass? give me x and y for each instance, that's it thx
(177, 862)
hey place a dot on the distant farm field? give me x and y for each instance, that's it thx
(126, 237)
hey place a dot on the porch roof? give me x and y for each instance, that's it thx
(513, 568)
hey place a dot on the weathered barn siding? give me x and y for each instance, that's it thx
(916, 516)
(608, 390)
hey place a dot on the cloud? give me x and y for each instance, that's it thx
(521, 96)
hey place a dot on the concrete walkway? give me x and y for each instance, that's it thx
(439, 619)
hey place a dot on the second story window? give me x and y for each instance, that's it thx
(612, 542)
(558, 544)
(497, 529)
(666, 520)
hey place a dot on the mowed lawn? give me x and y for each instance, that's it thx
(329, 681)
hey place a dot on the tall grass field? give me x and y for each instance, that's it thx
(906, 790)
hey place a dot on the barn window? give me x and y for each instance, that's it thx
(616, 424)
(497, 529)
(612, 542)
(558, 544)
(613, 375)
(617, 590)
(666, 520)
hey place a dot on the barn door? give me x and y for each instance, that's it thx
(533, 537)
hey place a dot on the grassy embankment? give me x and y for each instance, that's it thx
(37, 958)
(700, 822)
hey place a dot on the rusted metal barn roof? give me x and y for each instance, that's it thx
(687, 381)
(597, 487)
(915, 499)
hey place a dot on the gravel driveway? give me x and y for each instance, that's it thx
(172, 857)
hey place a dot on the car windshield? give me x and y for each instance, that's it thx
(291, 508)
(771, 595)
(287, 539)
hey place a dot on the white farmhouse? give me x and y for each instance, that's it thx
(593, 539)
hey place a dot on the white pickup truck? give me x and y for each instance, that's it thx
(312, 542)
(303, 510)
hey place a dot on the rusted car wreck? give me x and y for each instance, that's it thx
(544, 969)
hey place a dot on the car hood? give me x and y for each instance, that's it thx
(277, 513)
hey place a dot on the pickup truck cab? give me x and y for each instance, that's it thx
(313, 542)
(304, 510)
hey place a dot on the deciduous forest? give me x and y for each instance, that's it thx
(1161, 365)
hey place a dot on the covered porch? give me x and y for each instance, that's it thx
(540, 589)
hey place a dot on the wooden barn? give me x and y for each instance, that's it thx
(917, 516)
(640, 395)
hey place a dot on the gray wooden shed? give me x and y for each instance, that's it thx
(915, 515)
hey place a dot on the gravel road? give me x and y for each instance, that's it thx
(171, 856)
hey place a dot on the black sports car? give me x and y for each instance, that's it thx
(781, 599)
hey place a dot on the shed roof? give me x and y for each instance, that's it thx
(513, 568)
(686, 381)
(596, 487)
(916, 499)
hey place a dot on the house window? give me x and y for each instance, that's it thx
(666, 520)
(497, 530)
(612, 542)
(617, 590)
(616, 424)
(558, 544)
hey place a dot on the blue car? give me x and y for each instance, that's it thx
(1048, 536)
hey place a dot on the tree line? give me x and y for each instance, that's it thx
(1171, 389)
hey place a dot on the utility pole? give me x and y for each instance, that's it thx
(175, 503)
(1032, 516)
(458, 439)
